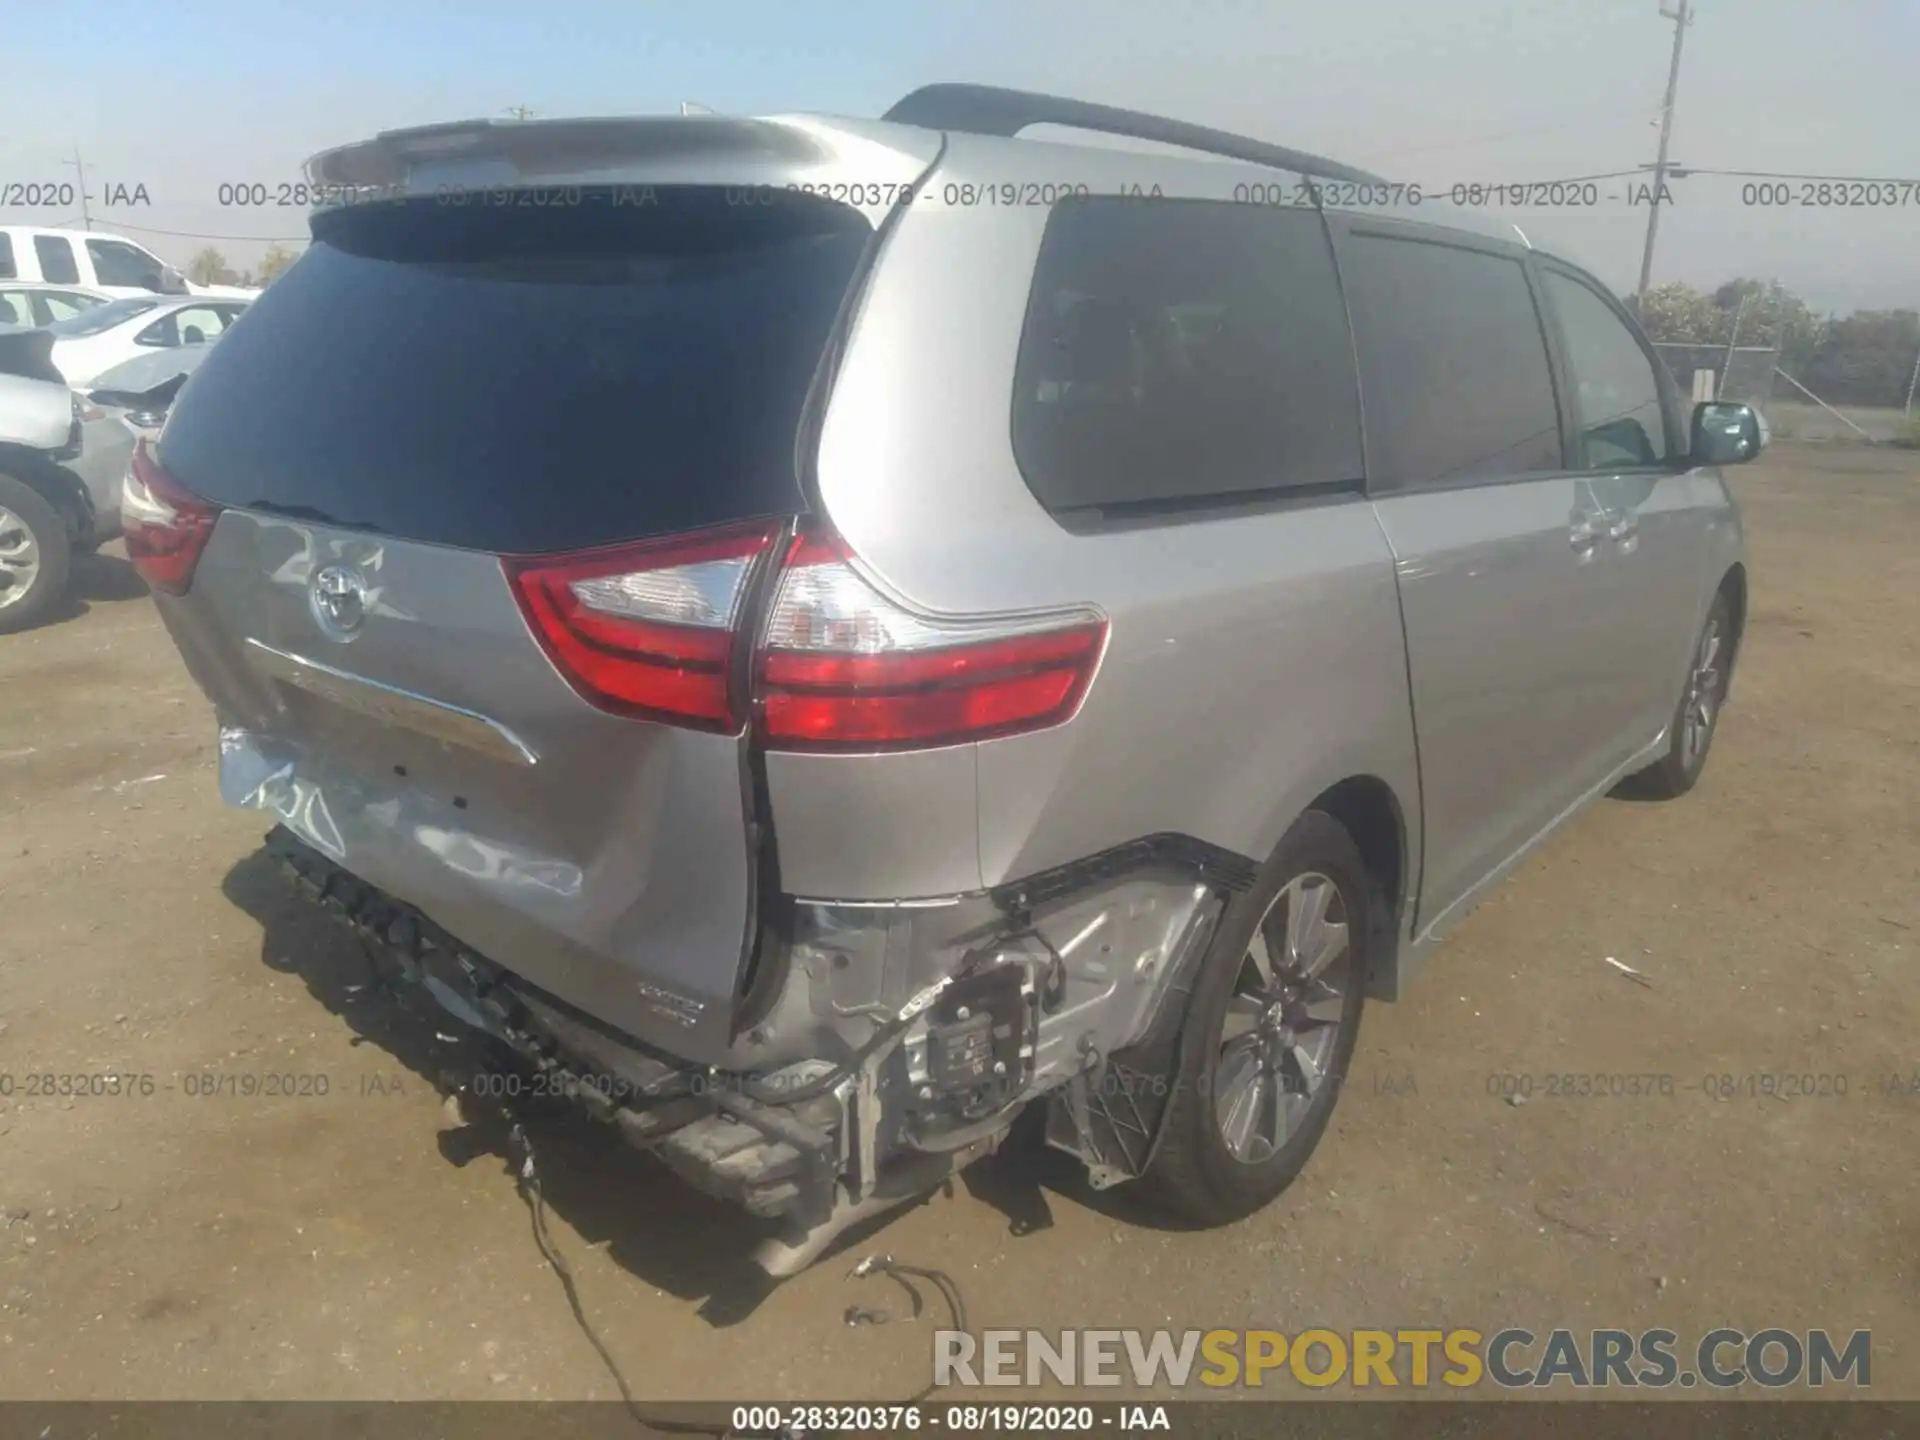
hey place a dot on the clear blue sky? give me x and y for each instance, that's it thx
(185, 94)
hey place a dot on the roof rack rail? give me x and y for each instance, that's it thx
(993, 110)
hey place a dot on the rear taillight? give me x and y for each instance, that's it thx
(843, 667)
(648, 629)
(653, 630)
(165, 526)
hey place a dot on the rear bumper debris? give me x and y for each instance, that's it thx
(704, 1125)
(902, 1041)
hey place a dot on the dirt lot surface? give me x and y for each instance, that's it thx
(171, 1245)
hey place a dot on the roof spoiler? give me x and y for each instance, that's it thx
(992, 110)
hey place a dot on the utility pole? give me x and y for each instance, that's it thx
(80, 169)
(1681, 19)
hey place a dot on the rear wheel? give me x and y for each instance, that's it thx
(1698, 716)
(34, 555)
(1270, 1030)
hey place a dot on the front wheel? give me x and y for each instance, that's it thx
(34, 555)
(1270, 1030)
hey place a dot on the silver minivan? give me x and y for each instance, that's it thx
(821, 634)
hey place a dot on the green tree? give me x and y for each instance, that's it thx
(1867, 358)
(209, 267)
(274, 263)
(1679, 314)
(1767, 313)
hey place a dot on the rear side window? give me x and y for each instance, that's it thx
(56, 260)
(8, 271)
(64, 306)
(527, 379)
(1180, 352)
(1453, 364)
(194, 325)
(1621, 424)
(117, 263)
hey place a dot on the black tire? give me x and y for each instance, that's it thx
(1195, 1172)
(1678, 771)
(48, 532)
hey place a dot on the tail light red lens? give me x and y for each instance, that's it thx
(649, 629)
(164, 525)
(652, 630)
(844, 667)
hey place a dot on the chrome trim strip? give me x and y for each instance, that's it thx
(396, 706)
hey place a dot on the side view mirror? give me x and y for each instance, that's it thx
(1727, 434)
(171, 282)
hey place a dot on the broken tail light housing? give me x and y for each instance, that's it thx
(164, 525)
(842, 666)
(649, 629)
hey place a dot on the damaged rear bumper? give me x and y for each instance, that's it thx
(901, 1043)
(707, 1126)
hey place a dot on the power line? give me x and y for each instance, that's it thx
(1680, 170)
(198, 235)
(1557, 180)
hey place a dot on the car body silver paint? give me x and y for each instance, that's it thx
(619, 859)
(1255, 659)
(1214, 624)
(1513, 717)
(844, 833)
(392, 705)
(34, 414)
(106, 449)
(38, 415)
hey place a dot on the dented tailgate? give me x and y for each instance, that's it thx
(431, 394)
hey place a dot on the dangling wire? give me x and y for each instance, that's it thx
(898, 1273)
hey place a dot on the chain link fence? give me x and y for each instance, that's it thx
(1744, 373)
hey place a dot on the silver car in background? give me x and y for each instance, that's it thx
(62, 459)
(832, 632)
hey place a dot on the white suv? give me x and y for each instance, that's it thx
(108, 264)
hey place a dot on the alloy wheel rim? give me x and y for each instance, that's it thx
(1703, 697)
(1283, 1018)
(19, 559)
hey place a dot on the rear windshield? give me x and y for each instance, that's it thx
(527, 378)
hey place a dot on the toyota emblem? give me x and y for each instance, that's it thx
(339, 599)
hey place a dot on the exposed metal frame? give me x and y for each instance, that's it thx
(994, 110)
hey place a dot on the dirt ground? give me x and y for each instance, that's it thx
(170, 1245)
